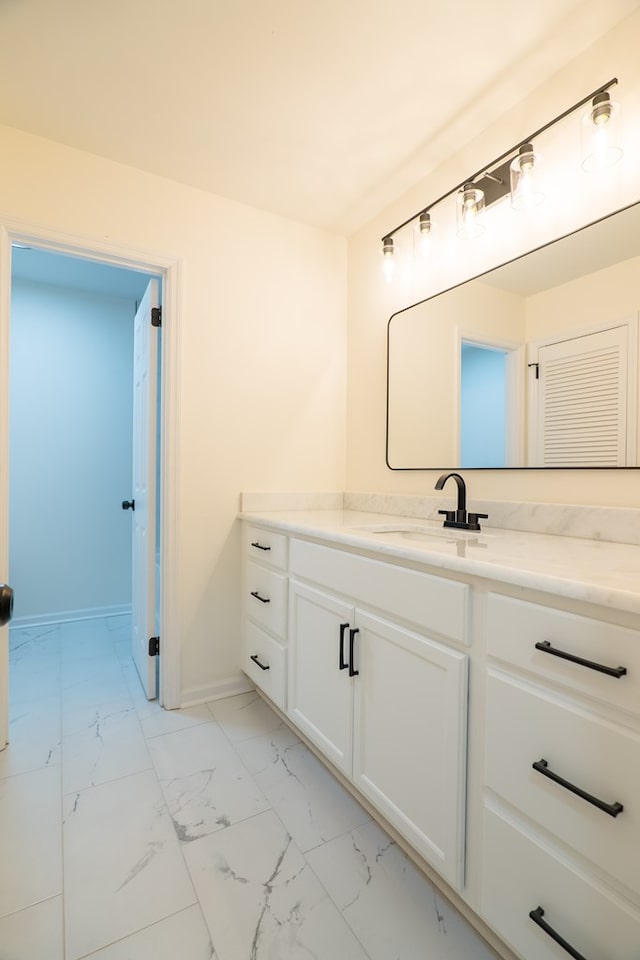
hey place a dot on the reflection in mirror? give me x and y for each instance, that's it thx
(534, 364)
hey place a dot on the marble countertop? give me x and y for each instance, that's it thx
(593, 571)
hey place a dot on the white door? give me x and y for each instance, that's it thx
(584, 400)
(410, 726)
(145, 366)
(320, 688)
(5, 299)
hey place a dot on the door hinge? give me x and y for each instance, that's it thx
(154, 646)
(156, 316)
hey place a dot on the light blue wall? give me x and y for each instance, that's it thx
(70, 450)
(482, 407)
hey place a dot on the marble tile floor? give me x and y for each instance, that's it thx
(132, 833)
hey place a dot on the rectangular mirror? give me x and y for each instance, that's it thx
(533, 364)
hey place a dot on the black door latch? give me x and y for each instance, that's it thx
(6, 604)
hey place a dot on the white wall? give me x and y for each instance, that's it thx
(70, 451)
(594, 300)
(573, 199)
(262, 365)
(424, 367)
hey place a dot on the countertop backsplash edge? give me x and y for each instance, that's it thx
(612, 524)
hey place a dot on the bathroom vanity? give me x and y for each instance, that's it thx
(481, 692)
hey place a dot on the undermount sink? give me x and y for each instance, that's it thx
(418, 533)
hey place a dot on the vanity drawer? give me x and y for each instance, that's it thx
(520, 875)
(267, 546)
(525, 725)
(515, 626)
(266, 598)
(265, 663)
(433, 603)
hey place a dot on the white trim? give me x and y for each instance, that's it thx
(5, 308)
(67, 616)
(169, 268)
(216, 691)
(516, 419)
(170, 692)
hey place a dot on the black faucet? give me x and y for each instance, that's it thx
(460, 518)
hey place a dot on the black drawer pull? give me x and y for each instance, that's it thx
(254, 593)
(537, 915)
(616, 672)
(613, 809)
(342, 663)
(259, 546)
(256, 661)
(352, 636)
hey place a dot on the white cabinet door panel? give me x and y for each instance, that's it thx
(588, 752)
(320, 693)
(410, 737)
(520, 875)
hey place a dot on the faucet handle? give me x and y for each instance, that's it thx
(473, 520)
(449, 515)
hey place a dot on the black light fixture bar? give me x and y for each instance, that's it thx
(487, 168)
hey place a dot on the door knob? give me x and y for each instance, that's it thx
(6, 604)
(128, 504)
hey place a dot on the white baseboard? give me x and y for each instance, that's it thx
(231, 687)
(65, 616)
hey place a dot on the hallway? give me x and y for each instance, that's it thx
(212, 833)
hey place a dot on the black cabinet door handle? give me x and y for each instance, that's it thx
(342, 663)
(617, 672)
(613, 809)
(128, 504)
(254, 593)
(537, 915)
(256, 661)
(352, 636)
(259, 546)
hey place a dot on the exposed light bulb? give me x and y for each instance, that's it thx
(388, 264)
(601, 134)
(470, 208)
(424, 233)
(524, 173)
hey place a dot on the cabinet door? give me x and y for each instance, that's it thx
(410, 738)
(320, 693)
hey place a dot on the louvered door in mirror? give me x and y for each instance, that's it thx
(583, 398)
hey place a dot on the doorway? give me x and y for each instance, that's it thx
(483, 406)
(491, 402)
(71, 438)
(166, 268)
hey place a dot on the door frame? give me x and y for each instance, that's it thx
(169, 269)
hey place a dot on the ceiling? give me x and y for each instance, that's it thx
(319, 110)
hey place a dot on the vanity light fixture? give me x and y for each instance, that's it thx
(470, 210)
(517, 173)
(601, 134)
(387, 261)
(526, 192)
(424, 232)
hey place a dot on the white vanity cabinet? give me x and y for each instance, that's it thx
(387, 704)
(491, 714)
(562, 774)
